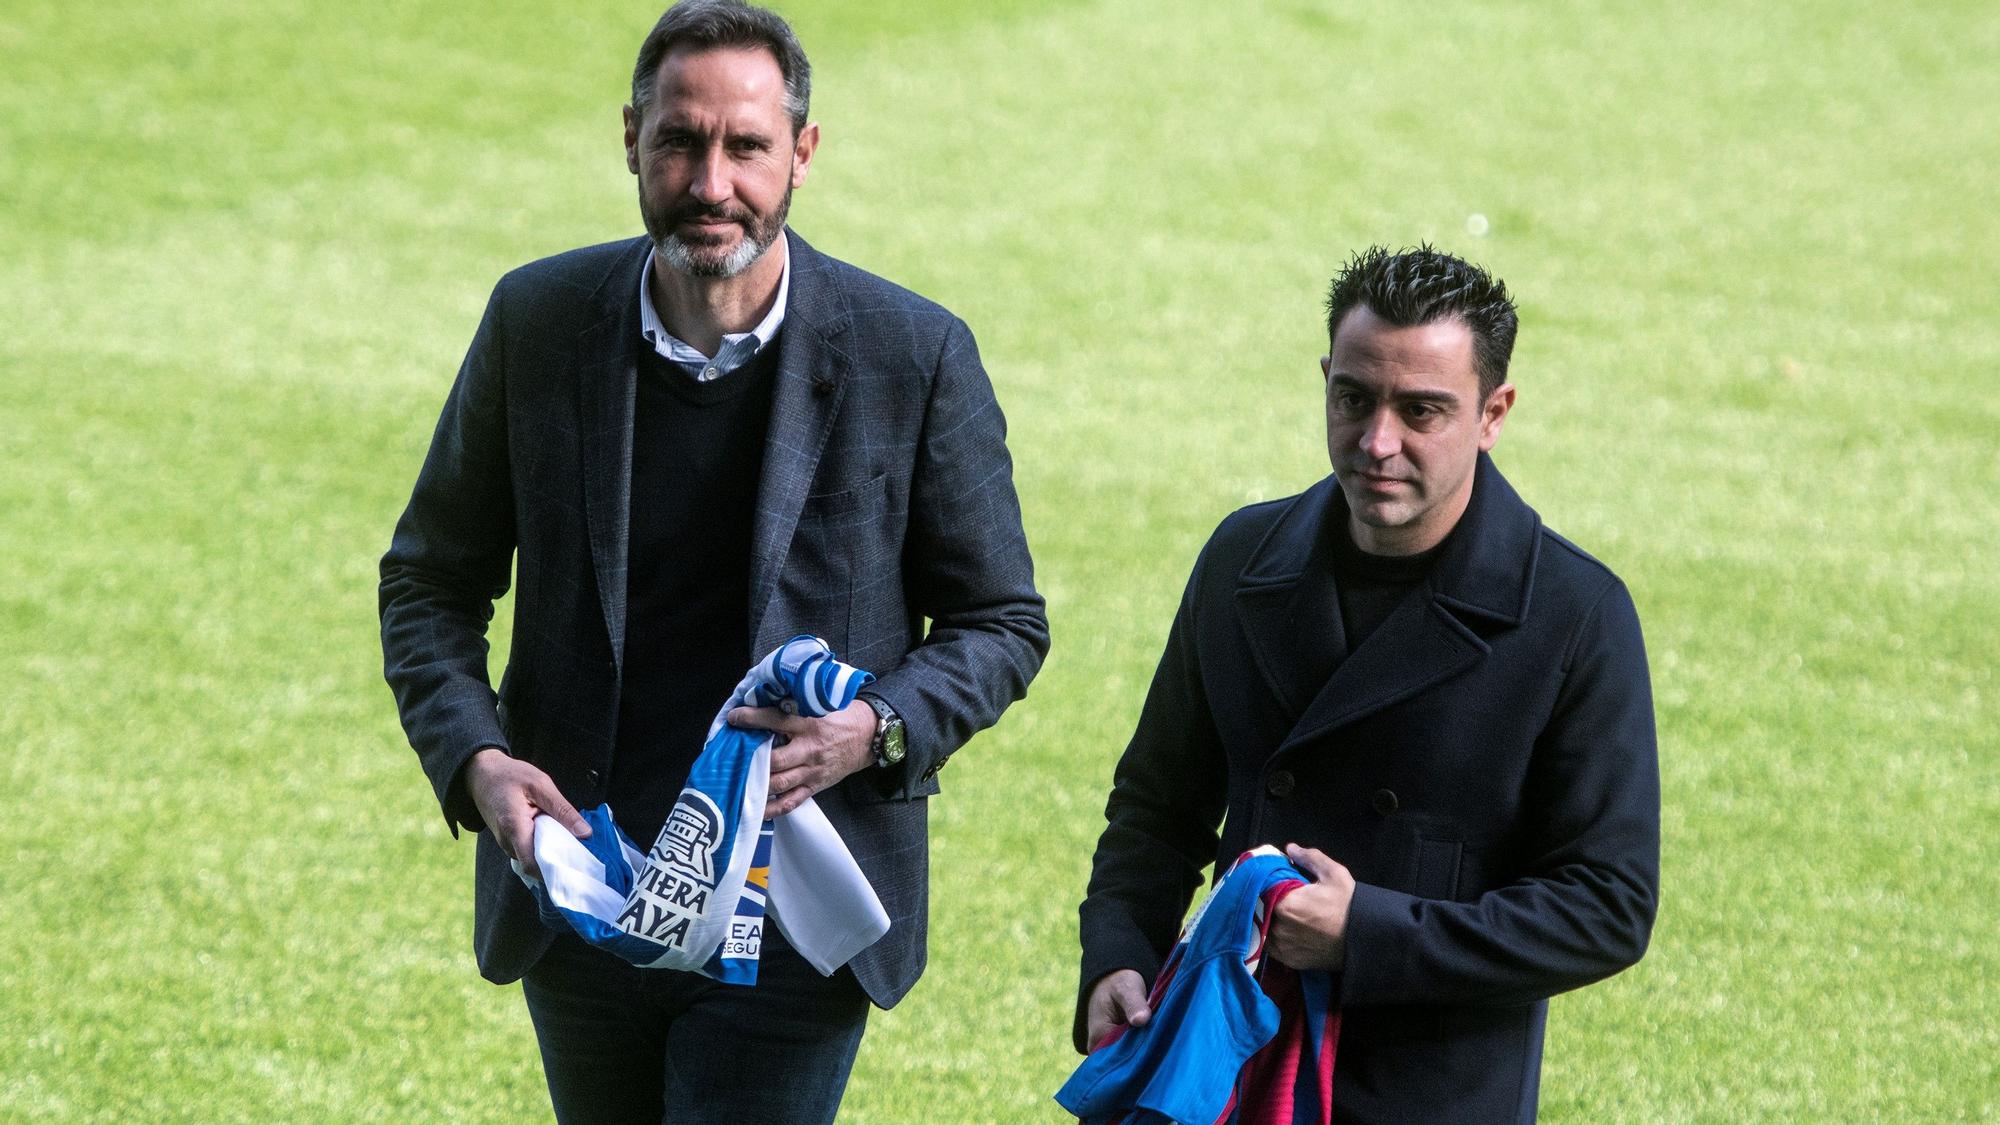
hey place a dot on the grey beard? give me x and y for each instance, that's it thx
(681, 257)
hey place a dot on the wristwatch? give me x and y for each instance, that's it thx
(888, 746)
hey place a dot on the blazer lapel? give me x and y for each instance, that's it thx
(806, 393)
(608, 358)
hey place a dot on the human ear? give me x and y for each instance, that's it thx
(1493, 415)
(803, 148)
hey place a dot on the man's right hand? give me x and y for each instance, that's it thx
(509, 793)
(1118, 999)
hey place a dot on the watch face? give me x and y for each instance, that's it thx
(892, 743)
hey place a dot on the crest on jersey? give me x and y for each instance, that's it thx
(692, 833)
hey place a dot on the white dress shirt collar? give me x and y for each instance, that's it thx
(737, 349)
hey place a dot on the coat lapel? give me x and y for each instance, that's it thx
(1483, 577)
(1292, 619)
(806, 394)
(608, 357)
(1418, 645)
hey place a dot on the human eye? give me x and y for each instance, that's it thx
(1424, 414)
(1349, 401)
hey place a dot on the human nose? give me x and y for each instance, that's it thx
(711, 178)
(1383, 437)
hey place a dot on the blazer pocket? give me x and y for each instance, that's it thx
(847, 546)
(844, 505)
(844, 541)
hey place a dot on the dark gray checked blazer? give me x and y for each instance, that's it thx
(886, 501)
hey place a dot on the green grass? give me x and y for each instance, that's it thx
(245, 246)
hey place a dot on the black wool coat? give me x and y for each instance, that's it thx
(1484, 764)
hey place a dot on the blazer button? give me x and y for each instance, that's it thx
(596, 778)
(1281, 784)
(1385, 802)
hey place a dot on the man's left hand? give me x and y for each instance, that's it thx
(810, 754)
(1309, 928)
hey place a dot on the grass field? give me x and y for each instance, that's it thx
(1755, 249)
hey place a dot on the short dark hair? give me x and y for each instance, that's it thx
(1422, 285)
(704, 24)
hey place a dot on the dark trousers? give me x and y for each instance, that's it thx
(623, 1044)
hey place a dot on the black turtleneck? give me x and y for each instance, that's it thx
(1371, 585)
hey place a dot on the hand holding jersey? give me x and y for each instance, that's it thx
(1308, 931)
(1309, 927)
(510, 795)
(814, 753)
(1118, 1000)
(697, 900)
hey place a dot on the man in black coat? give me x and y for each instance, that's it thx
(688, 448)
(1438, 706)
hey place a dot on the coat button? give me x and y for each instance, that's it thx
(1384, 802)
(1281, 784)
(596, 778)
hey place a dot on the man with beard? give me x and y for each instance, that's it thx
(692, 446)
(1435, 704)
